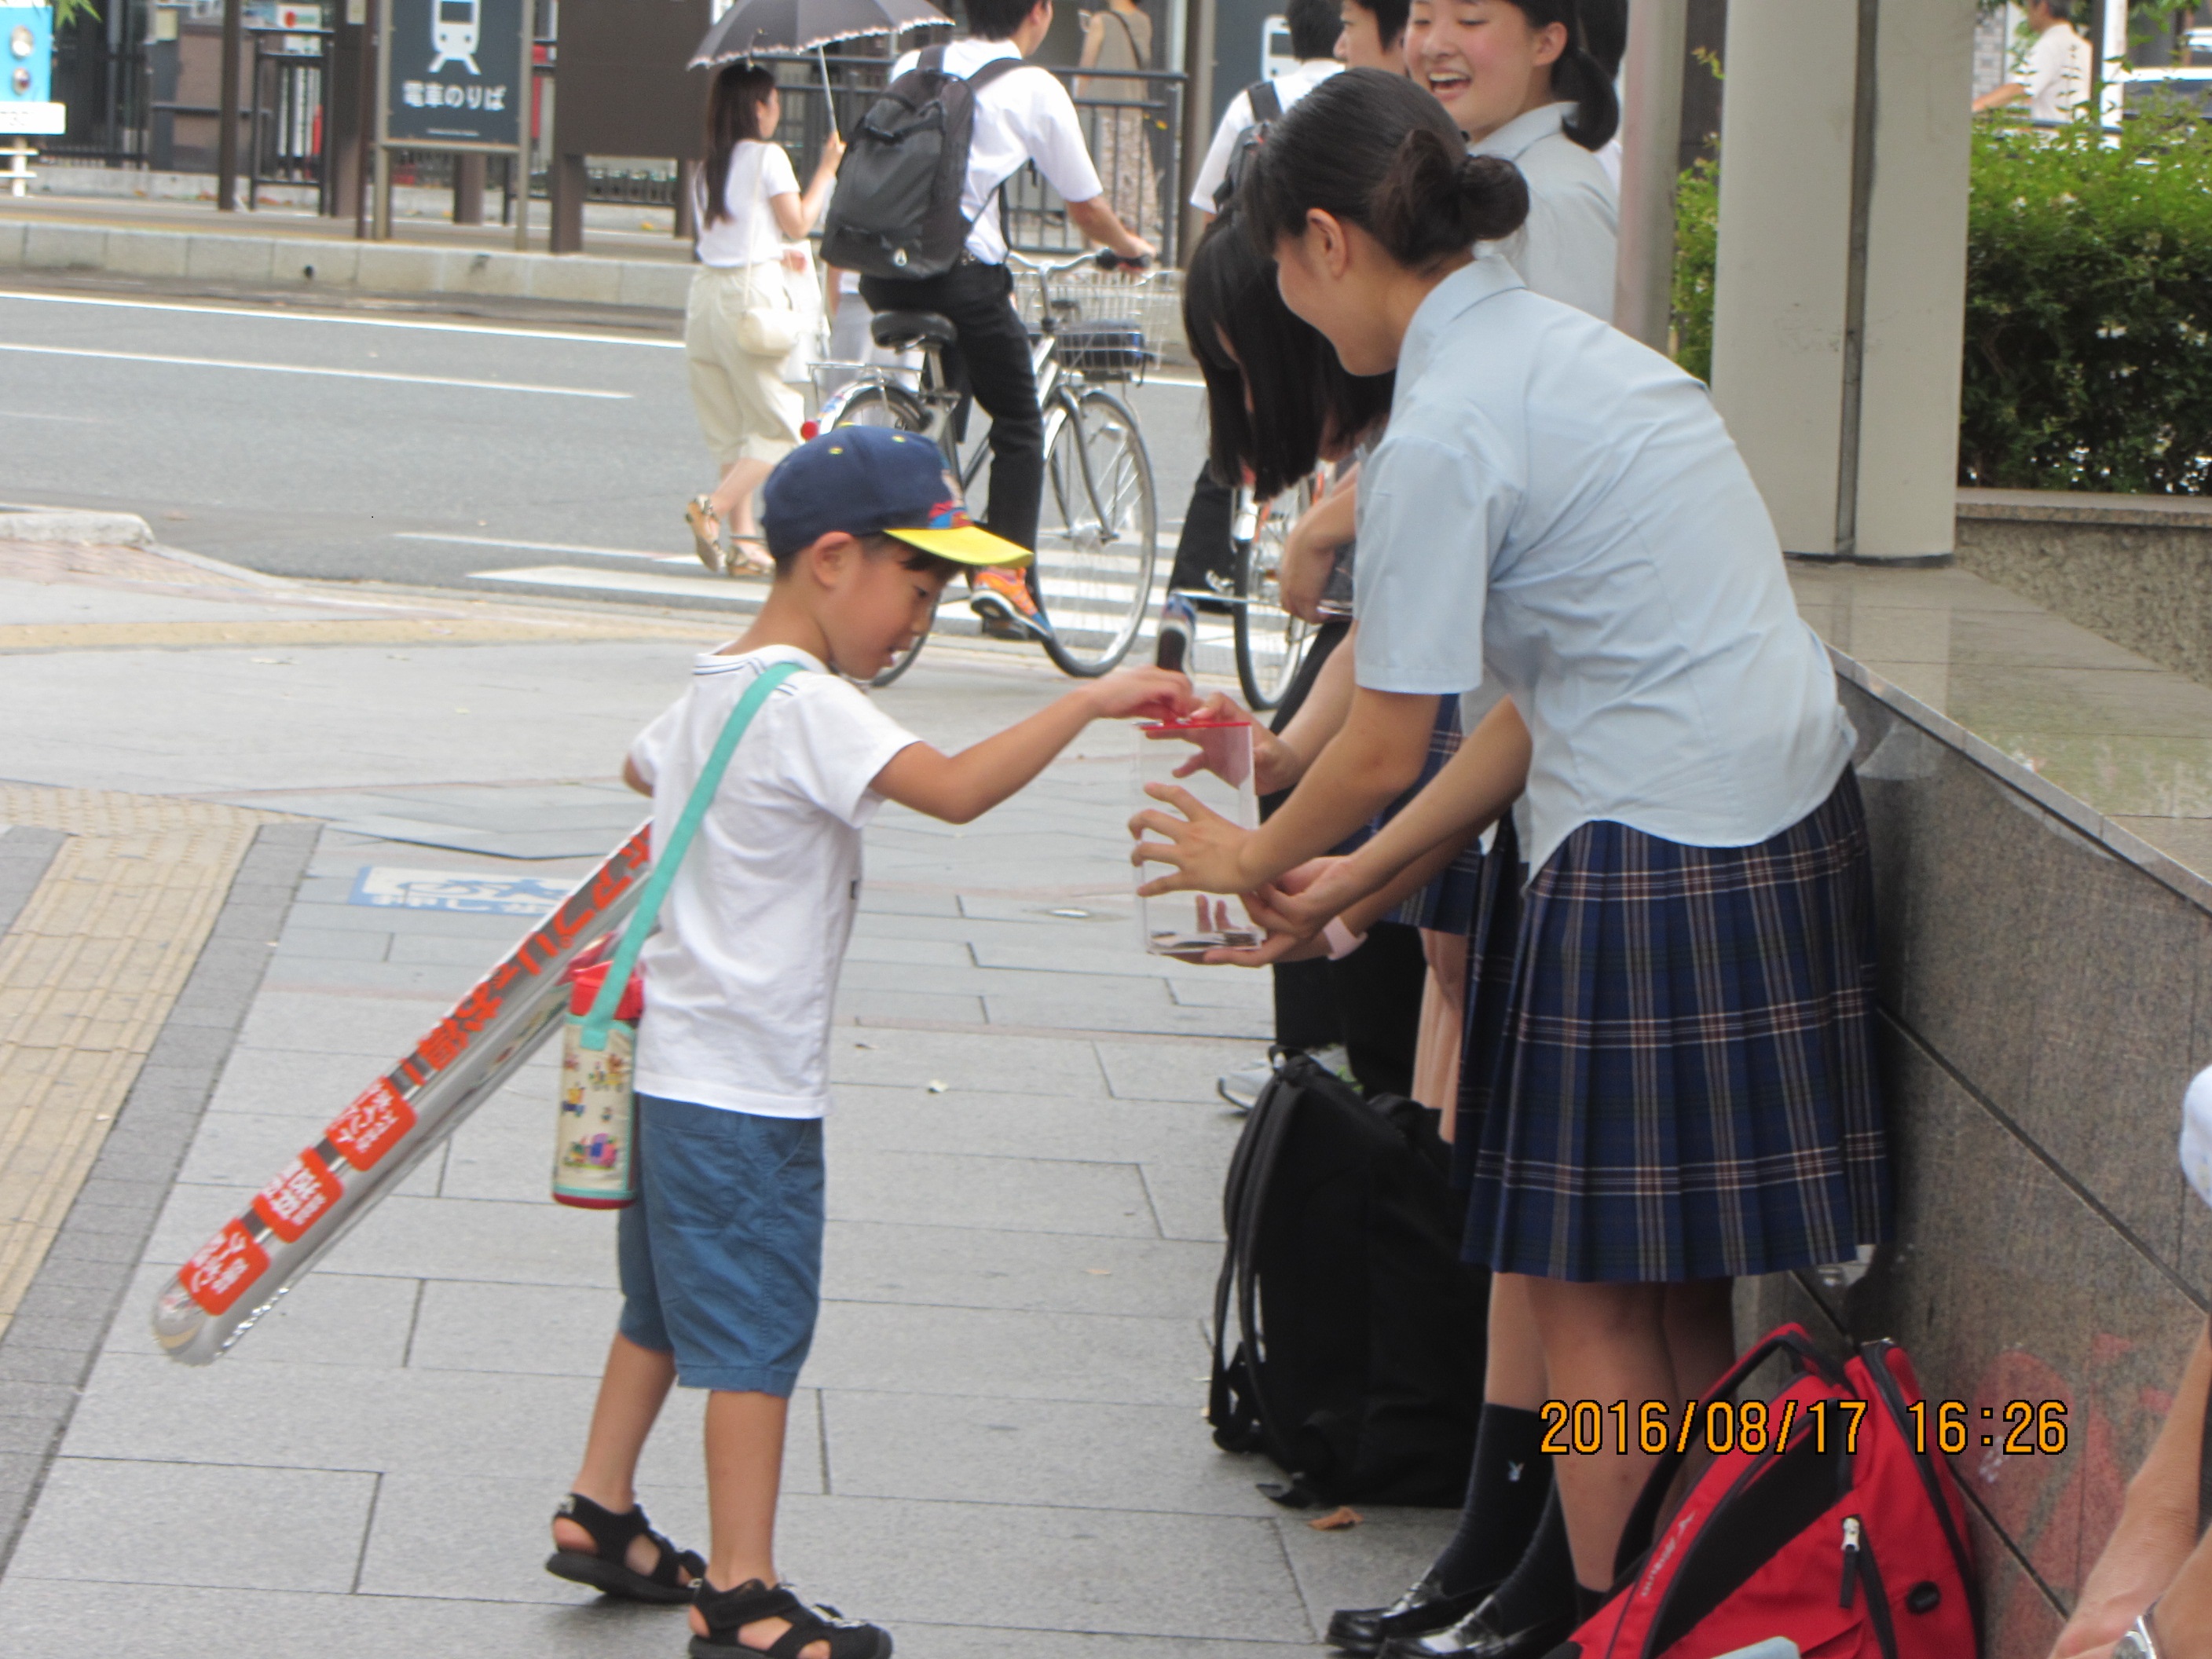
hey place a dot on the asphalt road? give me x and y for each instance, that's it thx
(414, 449)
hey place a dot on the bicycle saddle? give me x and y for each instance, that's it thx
(899, 330)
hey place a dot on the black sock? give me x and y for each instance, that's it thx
(1588, 1601)
(1542, 1585)
(1505, 1493)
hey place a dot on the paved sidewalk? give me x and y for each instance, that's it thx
(997, 1444)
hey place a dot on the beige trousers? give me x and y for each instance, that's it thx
(746, 409)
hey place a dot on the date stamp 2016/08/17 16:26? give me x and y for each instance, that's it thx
(2017, 1427)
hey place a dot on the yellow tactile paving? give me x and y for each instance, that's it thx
(87, 973)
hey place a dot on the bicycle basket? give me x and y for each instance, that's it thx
(1106, 351)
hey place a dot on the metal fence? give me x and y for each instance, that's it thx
(100, 74)
(289, 108)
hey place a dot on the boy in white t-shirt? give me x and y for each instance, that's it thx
(721, 1255)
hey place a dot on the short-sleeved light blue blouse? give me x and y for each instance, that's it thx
(1562, 503)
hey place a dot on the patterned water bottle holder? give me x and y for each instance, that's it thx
(595, 1138)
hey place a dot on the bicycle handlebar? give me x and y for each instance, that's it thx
(1104, 258)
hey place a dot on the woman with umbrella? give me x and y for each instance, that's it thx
(742, 321)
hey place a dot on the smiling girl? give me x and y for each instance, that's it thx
(1518, 78)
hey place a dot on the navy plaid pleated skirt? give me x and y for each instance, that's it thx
(1671, 1071)
(1447, 904)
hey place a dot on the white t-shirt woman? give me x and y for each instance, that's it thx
(754, 309)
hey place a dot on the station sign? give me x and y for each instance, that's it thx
(458, 75)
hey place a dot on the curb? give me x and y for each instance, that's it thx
(45, 524)
(323, 263)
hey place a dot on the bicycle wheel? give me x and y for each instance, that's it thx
(1098, 534)
(1271, 642)
(888, 406)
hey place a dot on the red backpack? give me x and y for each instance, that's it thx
(1839, 1529)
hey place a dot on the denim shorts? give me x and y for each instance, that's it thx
(721, 1255)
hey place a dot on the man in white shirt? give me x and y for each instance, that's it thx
(2055, 78)
(1315, 25)
(1019, 117)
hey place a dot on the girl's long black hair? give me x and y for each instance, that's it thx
(1276, 394)
(734, 111)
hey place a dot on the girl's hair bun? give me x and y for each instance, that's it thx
(1435, 198)
(1375, 150)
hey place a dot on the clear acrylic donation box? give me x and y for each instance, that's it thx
(1211, 759)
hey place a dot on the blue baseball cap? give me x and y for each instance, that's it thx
(873, 480)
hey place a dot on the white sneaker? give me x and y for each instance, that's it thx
(1241, 1088)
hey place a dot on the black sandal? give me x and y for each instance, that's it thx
(607, 1569)
(728, 1612)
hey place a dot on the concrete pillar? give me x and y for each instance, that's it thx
(1840, 294)
(1650, 139)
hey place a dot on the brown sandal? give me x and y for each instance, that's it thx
(706, 533)
(749, 556)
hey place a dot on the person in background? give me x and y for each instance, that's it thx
(1023, 116)
(1374, 36)
(2055, 81)
(2150, 1596)
(1518, 77)
(1118, 35)
(1204, 554)
(1314, 25)
(741, 321)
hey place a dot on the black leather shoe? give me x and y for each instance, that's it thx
(1363, 1631)
(1477, 1636)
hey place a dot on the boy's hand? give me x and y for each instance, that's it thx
(1157, 693)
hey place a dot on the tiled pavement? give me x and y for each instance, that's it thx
(997, 1444)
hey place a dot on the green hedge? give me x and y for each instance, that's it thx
(2088, 345)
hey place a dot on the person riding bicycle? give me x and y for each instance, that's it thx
(1019, 119)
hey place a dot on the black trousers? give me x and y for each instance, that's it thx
(1370, 1001)
(1205, 548)
(992, 359)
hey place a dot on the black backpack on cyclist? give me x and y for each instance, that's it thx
(895, 211)
(1267, 106)
(1359, 1334)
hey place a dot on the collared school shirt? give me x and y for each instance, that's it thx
(1293, 85)
(1557, 507)
(1023, 117)
(1567, 249)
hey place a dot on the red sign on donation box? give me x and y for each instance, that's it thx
(371, 1126)
(297, 1198)
(225, 1265)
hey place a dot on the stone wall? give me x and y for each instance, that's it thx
(2136, 570)
(2041, 1012)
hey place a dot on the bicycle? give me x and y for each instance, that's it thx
(1098, 534)
(1268, 643)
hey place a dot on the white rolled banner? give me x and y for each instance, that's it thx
(403, 1116)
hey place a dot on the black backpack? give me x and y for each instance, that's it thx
(895, 210)
(1360, 1335)
(1267, 106)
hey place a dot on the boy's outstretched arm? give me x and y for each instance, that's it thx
(960, 788)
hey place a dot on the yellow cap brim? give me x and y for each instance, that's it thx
(966, 545)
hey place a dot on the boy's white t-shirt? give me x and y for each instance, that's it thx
(742, 971)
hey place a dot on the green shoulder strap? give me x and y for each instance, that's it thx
(666, 859)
